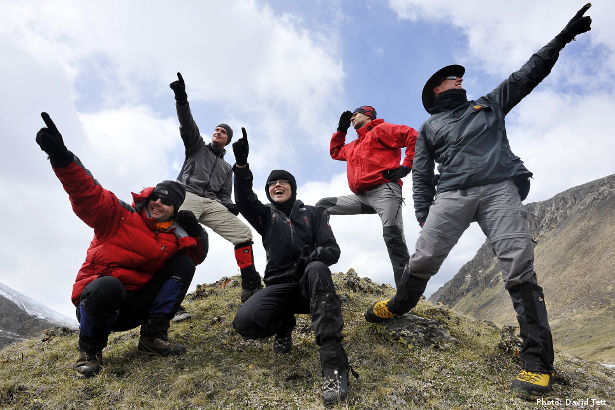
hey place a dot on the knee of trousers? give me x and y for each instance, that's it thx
(516, 259)
(326, 203)
(183, 268)
(318, 276)
(103, 296)
(247, 326)
(424, 267)
(244, 233)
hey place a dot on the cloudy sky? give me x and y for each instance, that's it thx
(285, 70)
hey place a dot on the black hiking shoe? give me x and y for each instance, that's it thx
(335, 386)
(532, 384)
(283, 343)
(181, 315)
(88, 364)
(379, 312)
(160, 347)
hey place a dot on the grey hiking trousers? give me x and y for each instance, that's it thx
(498, 211)
(384, 200)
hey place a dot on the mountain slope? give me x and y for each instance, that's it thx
(23, 317)
(574, 260)
(433, 358)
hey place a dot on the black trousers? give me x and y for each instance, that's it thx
(272, 311)
(106, 306)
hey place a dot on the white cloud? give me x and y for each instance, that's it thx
(565, 139)
(502, 35)
(130, 146)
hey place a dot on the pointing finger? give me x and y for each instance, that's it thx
(583, 10)
(49, 123)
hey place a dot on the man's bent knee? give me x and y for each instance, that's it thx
(326, 203)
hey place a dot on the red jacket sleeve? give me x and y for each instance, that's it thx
(98, 208)
(338, 146)
(398, 136)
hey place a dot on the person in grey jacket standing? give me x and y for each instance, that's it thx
(480, 180)
(208, 181)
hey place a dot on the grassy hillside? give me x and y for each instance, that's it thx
(399, 368)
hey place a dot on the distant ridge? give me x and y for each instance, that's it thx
(23, 317)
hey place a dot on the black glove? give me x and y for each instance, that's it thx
(233, 208)
(421, 216)
(303, 261)
(395, 174)
(577, 25)
(50, 140)
(179, 88)
(187, 220)
(241, 148)
(344, 123)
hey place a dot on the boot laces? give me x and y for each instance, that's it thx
(530, 377)
(281, 341)
(381, 310)
(332, 384)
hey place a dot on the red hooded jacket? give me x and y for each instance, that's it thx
(126, 245)
(377, 148)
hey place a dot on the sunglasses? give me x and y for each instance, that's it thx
(279, 181)
(450, 77)
(163, 198)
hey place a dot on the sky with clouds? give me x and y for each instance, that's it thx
(285, 70)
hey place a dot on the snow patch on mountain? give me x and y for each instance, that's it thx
(35, 308)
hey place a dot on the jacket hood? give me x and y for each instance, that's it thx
(139, 201)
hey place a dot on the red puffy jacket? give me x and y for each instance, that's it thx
(377, 148)
(126, 243)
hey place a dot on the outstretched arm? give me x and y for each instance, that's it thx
(97, 207)
(188, 129)
(255, 212)
(520, 83)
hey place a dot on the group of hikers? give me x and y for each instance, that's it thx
(143, 256)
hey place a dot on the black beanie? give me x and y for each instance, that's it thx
(367, 110)
(281, 174)
(174, 191)
(229, 132)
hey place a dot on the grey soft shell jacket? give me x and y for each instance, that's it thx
(205, 172)
(470, 143)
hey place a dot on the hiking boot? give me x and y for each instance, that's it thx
(283, 343)
(532, 383)
(334, 387)
(88, 364)
(181, 315)
(160, 347)
(379, 312)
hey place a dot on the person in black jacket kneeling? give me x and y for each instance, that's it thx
(300, 248)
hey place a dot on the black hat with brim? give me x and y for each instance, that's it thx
(435, 80)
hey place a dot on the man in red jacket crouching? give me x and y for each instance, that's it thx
(139, 264)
